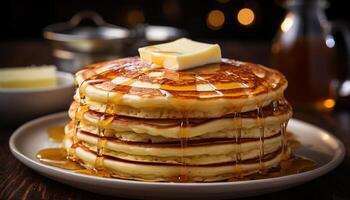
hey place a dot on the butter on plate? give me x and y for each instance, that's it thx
(181, 54)
(28, 77)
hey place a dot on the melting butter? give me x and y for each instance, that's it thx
(181, 54)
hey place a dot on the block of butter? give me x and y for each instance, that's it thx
(181, 54)
(28, 77)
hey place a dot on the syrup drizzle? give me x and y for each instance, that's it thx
(183, 137)
(283, 124)
(79, 114)
(237, 125)
(102, 123)
(260, 121)
(104, 120)
(261, 125)
(284, 141)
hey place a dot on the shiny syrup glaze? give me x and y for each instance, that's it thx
(229, 79)
(223, 81)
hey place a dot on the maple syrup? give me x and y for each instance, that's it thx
(292, 141)
(237, 126)
(261, 125)
(260, 121)
(284, 141)
(183, 137)
(93, 172)
(56, 133)
(105, 119)
(101, 141)
(57, 157)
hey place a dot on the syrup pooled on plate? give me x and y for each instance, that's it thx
(57, 157)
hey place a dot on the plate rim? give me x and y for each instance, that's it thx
(337, 158)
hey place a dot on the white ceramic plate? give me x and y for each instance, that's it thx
(317, 144)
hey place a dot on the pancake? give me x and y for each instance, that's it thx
(164, 172)
(169, 151)
(135, 129)
(130, 87)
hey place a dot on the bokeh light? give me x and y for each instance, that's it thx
(215, 19)
(329, 103)
(287, 23)
(246, 16)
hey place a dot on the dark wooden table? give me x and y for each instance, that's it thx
(19, 182)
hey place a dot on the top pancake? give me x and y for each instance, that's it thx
(134, 88)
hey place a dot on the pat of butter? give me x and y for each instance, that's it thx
(181, 54)
(28, 77)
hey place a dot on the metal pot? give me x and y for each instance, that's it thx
(77, 46)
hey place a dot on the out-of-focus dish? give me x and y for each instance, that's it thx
(21, 104)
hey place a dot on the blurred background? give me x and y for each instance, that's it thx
(212, 19)
(307, 40)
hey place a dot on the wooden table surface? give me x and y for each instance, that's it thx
(19, 182)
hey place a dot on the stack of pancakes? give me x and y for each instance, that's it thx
(137, 120)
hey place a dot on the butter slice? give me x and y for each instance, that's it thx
(181, 54)
(28, 77)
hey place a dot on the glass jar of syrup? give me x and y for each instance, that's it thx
(304, 51)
